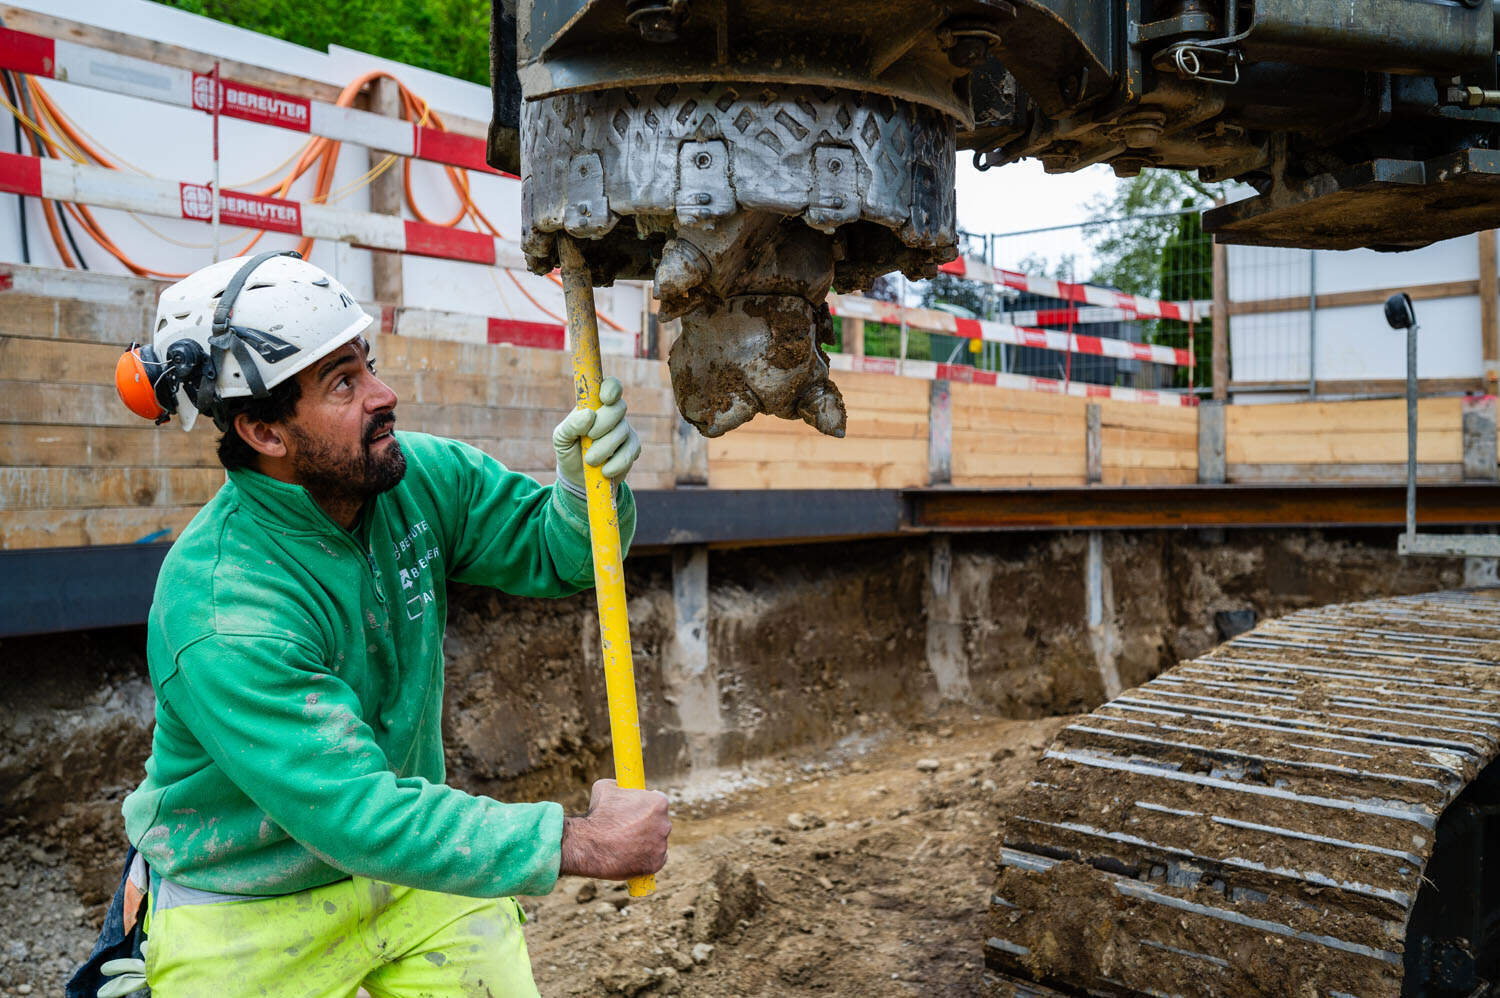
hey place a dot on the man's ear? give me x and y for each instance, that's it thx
(265, 438)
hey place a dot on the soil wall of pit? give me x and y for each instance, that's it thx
(804, 645)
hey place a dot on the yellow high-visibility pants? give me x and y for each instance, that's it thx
(396, 942)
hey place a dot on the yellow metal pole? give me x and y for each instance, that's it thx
(604, 533)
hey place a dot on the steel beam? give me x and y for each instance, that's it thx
(1189, 506)
(72, 589)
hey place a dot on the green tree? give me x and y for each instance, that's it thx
(946, 289)
(1145, 251)
(1128, 230)
(445, 36)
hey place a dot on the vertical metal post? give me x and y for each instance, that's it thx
(1220, 316)
(1312, 324)
(1411, 430)
(218, 98)
(901, 365)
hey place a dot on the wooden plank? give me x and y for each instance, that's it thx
(724, 474)
(1146, 417)
(967, 396)
(1185, 460)
(1344, 448)
(1148, 476)
(44, 445)
(1220, 319)
(1017, 481)
(1345, 299)
(1117, 439)
(1387, 388)
(734, 447)
(862, 426)
(56, 361)
(1021, 443)
(1314, 418)
(47, 528)
(70, 319)
(1008, 421)
(972, 464)
(64, 405)
(87, 488)
(1387, 473)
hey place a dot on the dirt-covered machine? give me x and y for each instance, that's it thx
(1269, 820)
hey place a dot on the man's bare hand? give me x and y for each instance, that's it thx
(623, 835)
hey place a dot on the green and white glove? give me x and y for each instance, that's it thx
(126, 976)
(614, 444)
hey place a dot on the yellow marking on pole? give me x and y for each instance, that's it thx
(604, 534)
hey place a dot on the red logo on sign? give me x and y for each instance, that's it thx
(249, 210)
(266, 107)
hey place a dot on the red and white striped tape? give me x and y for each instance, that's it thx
(932, 371)
(1084, 294)
(933, 320)
(122, 74)
(463, 328)
(63, 180)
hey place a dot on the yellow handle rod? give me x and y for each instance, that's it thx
(604, 534)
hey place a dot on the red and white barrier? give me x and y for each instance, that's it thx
(933, 320)
(1133, 306)
(64, 180)
(121, 74)
(433, 325)
(931, 371)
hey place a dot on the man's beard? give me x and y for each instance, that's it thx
(336, 477)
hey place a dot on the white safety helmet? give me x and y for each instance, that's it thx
(234, 329)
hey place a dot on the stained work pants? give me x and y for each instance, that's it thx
(326, 942)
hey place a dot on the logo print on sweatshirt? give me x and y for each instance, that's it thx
(417, 546)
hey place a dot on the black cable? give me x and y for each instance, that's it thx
(62, 213)
(10, 94)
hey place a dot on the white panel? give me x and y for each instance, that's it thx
(349, 124)
(1355, 344)
(1362, 270)
(365, 228)
(120, 74)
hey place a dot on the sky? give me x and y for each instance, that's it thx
(1021, 196)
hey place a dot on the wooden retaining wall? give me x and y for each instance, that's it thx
(1359, 441)
(77, 469)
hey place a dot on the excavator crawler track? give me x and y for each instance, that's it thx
(1303, 811)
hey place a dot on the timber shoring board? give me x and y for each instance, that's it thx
(1003, 437)
(885, 446)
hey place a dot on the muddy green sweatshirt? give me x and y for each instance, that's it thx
(298, 670)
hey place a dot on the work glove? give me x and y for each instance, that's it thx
(125, 976)
(614, 443)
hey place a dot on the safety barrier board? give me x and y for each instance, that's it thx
(63, 180)
(933, 320)
(121, 74)
(1132, 306)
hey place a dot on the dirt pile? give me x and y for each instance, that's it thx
(869, 879)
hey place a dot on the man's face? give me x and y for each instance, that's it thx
(341, 439)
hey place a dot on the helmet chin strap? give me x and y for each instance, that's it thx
(226, 338)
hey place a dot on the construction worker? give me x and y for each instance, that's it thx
(295, 828)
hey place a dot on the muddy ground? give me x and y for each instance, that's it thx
(856, 872)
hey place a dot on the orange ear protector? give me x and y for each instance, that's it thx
(148, 385)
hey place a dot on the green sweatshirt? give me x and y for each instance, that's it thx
(298, 670)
